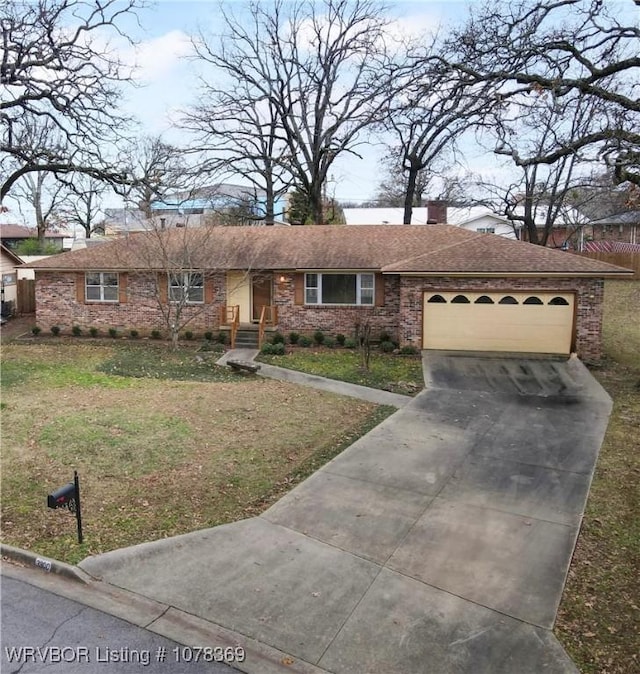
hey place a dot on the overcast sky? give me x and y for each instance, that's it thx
(170, 79)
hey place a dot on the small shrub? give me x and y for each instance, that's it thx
(387, 346)
(35, 330)
(350, 343)
(188, 335)
(155, 334)
(278, 349)
(278, 338)
(385, 337)
(134, 334)
(304, 341)
(55, 330)
(293, 337)
(318, 337)
(113, 333)
(329, 342)
(340, 338)
(208, 335)
(223, 337)
(76, 331)
(267, 348)
(93, 331)
(409, 350)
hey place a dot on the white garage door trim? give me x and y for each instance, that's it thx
(521, 322)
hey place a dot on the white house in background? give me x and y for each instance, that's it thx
(473, 218)
(9, 262)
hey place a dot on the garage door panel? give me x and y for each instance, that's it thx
(533, 328)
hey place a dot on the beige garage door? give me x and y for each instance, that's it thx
(519, 322)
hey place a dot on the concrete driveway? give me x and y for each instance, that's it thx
(439, 542)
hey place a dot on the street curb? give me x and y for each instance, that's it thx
(45, 564)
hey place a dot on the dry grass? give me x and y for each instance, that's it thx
(155, 459)
(599, 618)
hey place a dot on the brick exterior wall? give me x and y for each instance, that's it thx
(334, 320)
(589, 295)
(400, 315)
(56, 304)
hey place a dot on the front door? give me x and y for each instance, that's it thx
(261, 295)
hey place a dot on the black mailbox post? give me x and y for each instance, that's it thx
(68, 497)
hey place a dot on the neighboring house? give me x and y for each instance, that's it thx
(204, 206)
(9, 262)
(619, 228)
(12, 235)
(436, 287)
(565, 234)
(472, 218)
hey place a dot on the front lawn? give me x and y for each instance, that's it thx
(390, 372)
(164, 443)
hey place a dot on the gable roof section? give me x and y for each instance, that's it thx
(432, 249)
(10, 254)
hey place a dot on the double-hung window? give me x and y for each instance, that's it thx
(186, 287)
(354, 289)
(101, 286)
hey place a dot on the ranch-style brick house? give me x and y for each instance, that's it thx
(431, 286)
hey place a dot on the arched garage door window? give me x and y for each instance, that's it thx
(437, 299)
(533, 300)
(508, 299)
(460, 299)
(559, 301)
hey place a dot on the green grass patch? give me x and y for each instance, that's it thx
(158, 362)
(389, 372)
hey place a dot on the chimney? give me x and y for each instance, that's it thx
(437, 212)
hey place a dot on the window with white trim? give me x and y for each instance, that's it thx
(186, 287)
(101, 286)
(355, 289)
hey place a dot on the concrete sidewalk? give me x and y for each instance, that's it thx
(314, 381)
(439, 542)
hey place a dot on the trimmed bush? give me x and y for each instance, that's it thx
(350, 343)
(278, 338)
(55, 330)
(385, 337)
(387, 346)
(76, 331)
(188, 335)
(304, 341)
(208, 335)
(318, 337)
(113, 333)
(155, 334)
(134, 334)
(273, 349)
(340, 338)
(223, 337)
(409, 350)
(329, 342)
(35, 330)
(93, 331)
(293, 337)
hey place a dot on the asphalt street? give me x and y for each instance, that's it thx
(42, 631)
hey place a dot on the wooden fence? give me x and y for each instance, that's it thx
(26, 296)
(628, 260)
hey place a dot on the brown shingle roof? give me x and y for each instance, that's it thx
(393, 249)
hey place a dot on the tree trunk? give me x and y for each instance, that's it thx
(409, 195)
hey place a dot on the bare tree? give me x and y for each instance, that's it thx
(237, 133)
(435, 105)
(585, 48)
(157, 169)
(60, 87)
(530, 125)
(82, 204)
(322, 71)
(45, 195)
